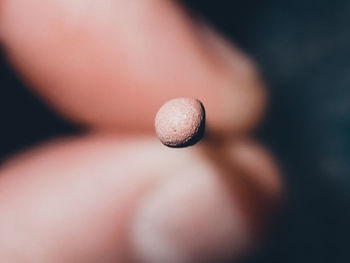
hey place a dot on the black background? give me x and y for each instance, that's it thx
(303, 51)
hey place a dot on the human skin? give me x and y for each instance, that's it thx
(114, 193)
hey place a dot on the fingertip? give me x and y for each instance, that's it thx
(240, 97)
(111, 65)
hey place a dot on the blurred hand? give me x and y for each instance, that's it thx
(115, 194)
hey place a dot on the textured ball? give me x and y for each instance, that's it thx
(180, 122)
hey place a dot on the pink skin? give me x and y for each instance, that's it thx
(179, 121)
(126, 199)
(107, 197)
(111, 64)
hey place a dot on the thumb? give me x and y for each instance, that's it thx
(112, 199)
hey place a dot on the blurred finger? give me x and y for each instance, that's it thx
(112, 64)
(107, 199)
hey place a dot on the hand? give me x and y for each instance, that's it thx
(114, 193)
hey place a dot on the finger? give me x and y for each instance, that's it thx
(105, 199)
(112, 64)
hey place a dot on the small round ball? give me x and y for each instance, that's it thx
(180, 122)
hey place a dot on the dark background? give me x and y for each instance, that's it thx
(303, 51)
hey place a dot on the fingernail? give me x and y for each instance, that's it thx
(189, 218)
